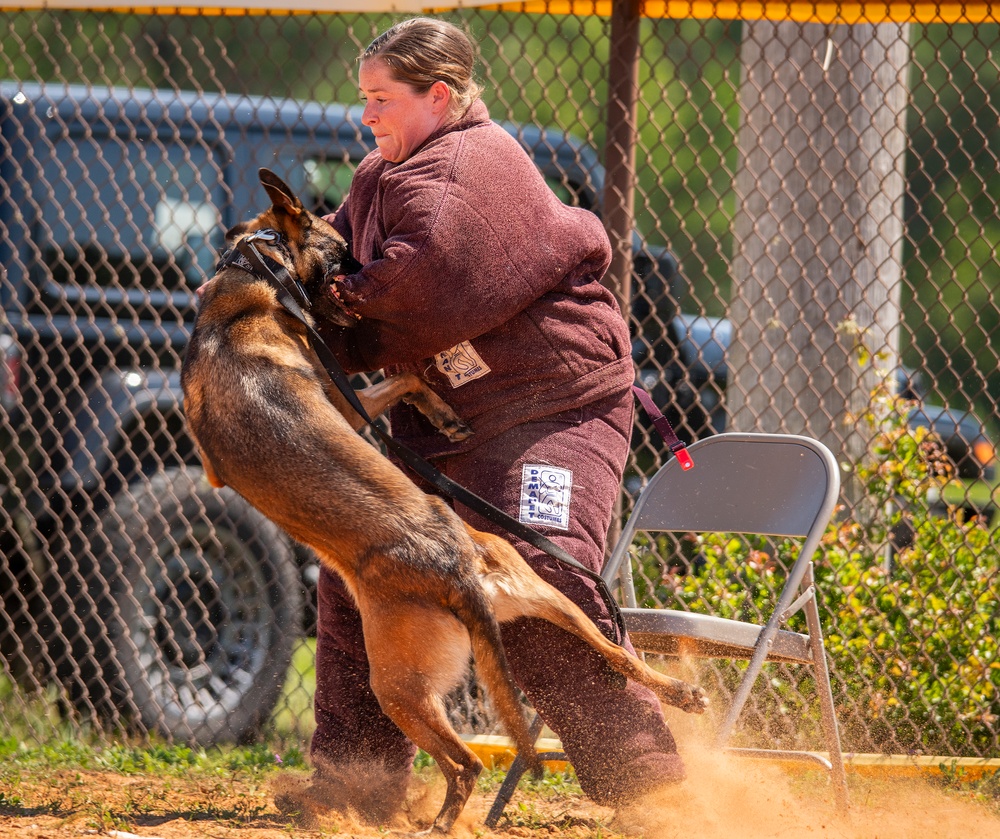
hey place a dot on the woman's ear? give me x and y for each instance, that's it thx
(440, 96)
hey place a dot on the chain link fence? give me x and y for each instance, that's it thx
(815, 250)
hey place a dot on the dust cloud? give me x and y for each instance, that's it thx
(727, 797)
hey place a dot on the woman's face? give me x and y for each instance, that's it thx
(400, 118)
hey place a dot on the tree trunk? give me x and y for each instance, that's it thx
(819, 228)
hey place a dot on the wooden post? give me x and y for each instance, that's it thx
(619, 151)
(619, 164)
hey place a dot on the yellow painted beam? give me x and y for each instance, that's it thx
(498, 752)
(805, 11)
(907, 766)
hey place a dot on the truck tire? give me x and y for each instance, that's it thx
(203, 608)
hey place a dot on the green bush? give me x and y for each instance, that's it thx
(911, 633)
(913, 642)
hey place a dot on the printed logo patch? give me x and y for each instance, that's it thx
(461, 364)
(545, 492)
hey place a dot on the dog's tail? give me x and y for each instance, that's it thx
(494, 671)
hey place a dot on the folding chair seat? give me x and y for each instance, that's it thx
(766, 484)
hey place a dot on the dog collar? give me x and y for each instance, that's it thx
(245, 255)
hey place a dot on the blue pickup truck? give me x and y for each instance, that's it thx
(685, 367)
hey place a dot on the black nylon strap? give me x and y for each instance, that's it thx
(418, 464)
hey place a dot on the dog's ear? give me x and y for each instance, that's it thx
(280, 193)
(236, 230)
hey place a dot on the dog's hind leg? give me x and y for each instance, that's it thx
(517, 591)
(417, 654)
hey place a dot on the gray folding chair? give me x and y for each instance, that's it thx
(766, 484)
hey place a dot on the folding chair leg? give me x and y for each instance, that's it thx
(827, 711)
(821, 674)
(514, 775)
(760, 652)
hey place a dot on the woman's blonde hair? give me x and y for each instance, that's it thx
(421, 51)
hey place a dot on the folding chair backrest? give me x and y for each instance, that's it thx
(768, 484)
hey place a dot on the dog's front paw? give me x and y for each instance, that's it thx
(455, 430)
(440, 414)
(697, 702)
(690, 698)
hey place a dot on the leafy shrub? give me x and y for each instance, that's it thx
(913, 634)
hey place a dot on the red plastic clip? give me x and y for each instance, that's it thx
(684, 458)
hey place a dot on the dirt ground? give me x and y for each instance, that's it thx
(722, 799)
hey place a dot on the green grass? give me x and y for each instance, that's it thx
(126, 759)
(34, 717)
(984, 789)
(73, 779)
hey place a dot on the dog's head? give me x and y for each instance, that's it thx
(309, 248)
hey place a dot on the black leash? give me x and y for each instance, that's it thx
(279, 276)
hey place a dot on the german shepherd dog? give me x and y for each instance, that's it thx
(270, 424)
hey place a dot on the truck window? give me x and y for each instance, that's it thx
(135, 213)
